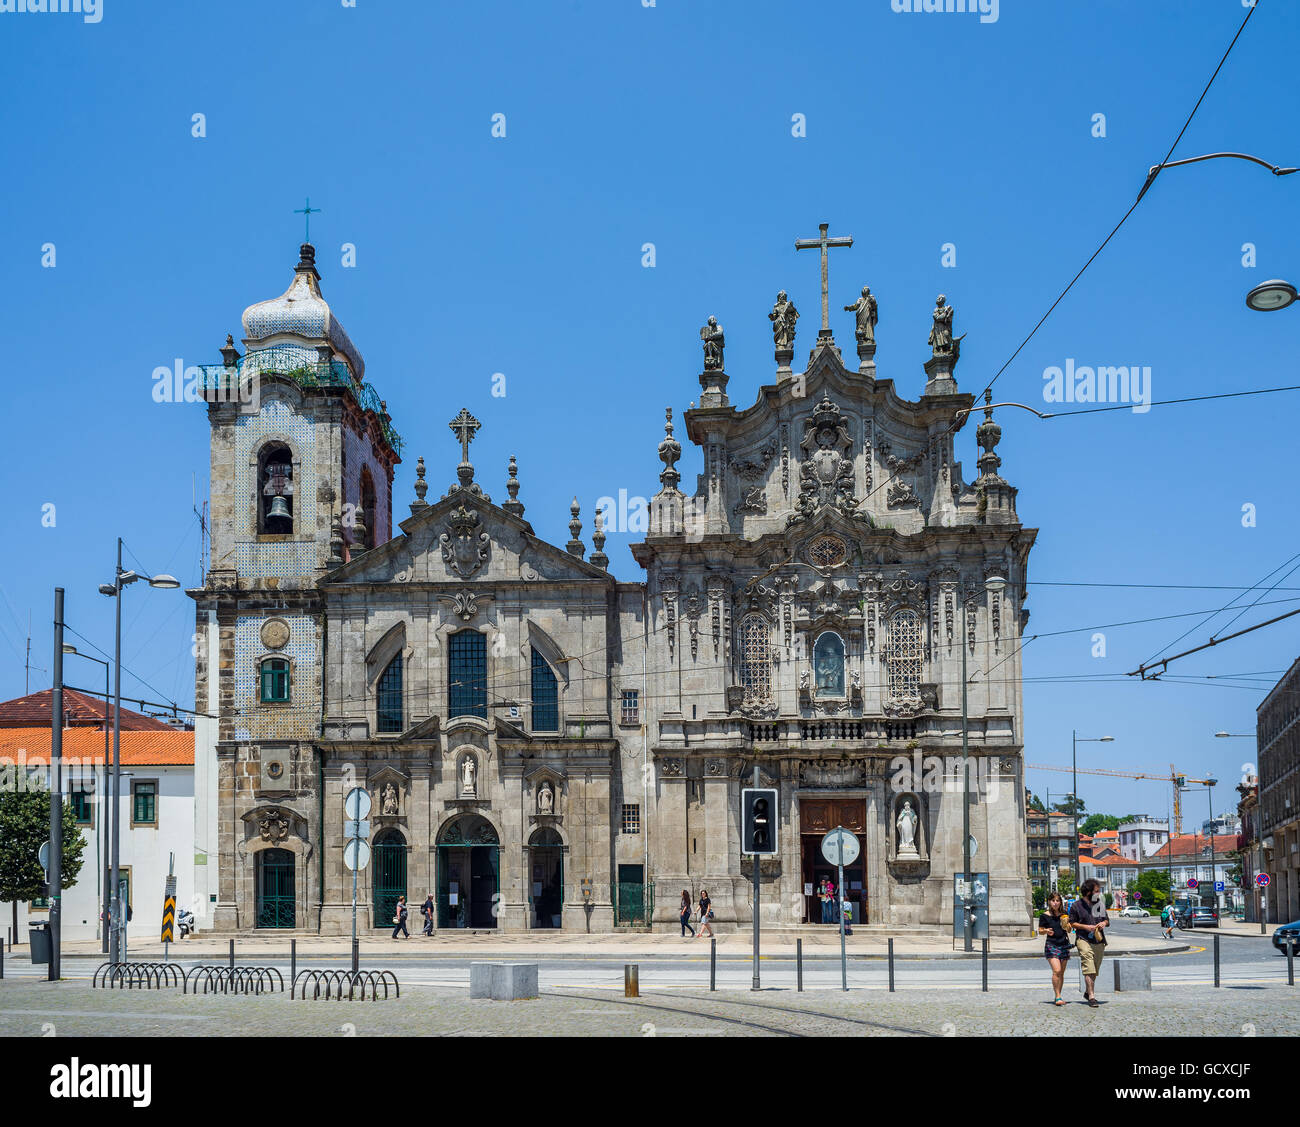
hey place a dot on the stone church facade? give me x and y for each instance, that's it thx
(547, 746)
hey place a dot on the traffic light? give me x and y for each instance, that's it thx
(758, 820)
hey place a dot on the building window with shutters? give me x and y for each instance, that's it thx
(546, 696)
(144, 802)
(467, 674)
(275, 680)
(82, 808)
(388, 701)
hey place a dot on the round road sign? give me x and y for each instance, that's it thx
(356, 804)
(356, 854)
(840, 846)
(1192, 882)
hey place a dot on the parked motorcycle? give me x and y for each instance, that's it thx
(185, 922)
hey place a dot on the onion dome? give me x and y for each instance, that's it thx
(300, 317)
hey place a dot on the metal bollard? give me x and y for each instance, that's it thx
(1290, 961)
(356, 956)
(293, 959)
(232, 954)
(713, 963)
(798, 964)
(2, 960)
(984, 961)
(1216, 958)
(631, 980)
(891, 966)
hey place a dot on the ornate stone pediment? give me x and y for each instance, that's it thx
(388, 789)
(273, 825)
(832, 773)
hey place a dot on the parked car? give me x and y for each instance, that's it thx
(1134, 910)
(1280, 936)
(1196, 917)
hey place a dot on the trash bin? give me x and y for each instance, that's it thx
(38, 938)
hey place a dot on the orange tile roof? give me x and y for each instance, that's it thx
(1188, 845)
(79, 710)
(152, 749)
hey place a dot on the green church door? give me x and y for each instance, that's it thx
(389, 878)
(275, 888)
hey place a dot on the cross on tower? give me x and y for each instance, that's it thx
(824, 244)
(307, 212)
(464, 426)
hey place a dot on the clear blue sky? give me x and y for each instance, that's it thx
(669, 125)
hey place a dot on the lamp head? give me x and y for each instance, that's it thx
(1276, 293)
(165, 582)
(67, 649)
(107, 589)
(1105, 739)
(995, 583)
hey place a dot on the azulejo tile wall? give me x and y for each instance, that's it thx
(298, 720)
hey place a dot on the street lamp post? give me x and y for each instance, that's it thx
(114, 591)
(993, 584)
(103, 806)
(1075, 741)
(1210, 780)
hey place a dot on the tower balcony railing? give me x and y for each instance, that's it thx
(306, 370)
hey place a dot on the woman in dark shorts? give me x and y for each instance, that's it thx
(1054, 924)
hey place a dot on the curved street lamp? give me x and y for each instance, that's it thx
(1272, 295)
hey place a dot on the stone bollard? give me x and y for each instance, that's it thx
(1130, 974)
(503, 982)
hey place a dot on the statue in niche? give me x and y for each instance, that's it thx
(783, 317)
(714, 341)
(546, 799)
(867, 313)
(468, 774)
(390, 799)
(907, 833)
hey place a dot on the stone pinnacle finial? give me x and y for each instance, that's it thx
(359, 528)
(514, 505)
(598, 557)
(336, 543)
(669, 451)
(575, 546)
(988, 434)
(229, 353)
(421, 487)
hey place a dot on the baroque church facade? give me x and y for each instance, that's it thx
(546, 746)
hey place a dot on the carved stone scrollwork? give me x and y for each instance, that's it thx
(670, 768)
(832, 773)
(692, 609)
(273, 826)
(668, 582)
(826, 474)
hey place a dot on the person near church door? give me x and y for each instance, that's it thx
(399, 918)
(685, 914)
(825, 898)
(427, 909)
(706, 914)
(1088, 914)
(1055, 924)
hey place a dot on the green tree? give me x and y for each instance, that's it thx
(1036, 803)
(1153, 884)
(1093, 823)
(1071, 805)
(24, 827)
(1040, 897)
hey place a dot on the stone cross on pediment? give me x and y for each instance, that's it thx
(464, 426)
(824, 243)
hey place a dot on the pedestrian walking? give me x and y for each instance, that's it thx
(1088, 915)
(399, 918)
(1167, 921)
(1055, 924)
(706, 914)
(685, 914)
(427, 910)
(847, 908)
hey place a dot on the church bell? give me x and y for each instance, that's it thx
(279, 508)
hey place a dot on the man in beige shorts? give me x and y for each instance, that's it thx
(1088, 915)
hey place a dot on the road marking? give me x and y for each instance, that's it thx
(113, 1015)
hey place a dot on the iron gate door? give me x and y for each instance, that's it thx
(389, 877)
(275, 888)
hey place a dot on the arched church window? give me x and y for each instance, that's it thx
(546, 696)
(275, 489)
(388, 702)
(467, 674)
(755, 658)
(828, 664)
(275, 680)
(903, 656)
(368, 506)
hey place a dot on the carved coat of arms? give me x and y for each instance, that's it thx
(465, 545)
(826, 471)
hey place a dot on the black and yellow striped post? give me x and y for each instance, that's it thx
(169, 913)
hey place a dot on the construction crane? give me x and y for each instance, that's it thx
(1178, 781)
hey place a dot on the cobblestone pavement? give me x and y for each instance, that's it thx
(33, 1008)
